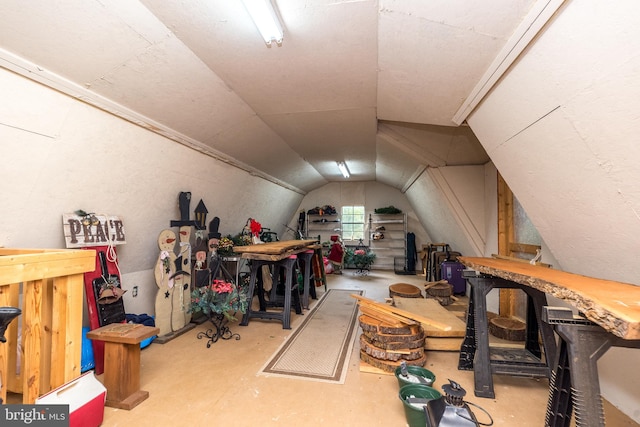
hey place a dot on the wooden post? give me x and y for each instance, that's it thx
(122, 362)
(505, 237)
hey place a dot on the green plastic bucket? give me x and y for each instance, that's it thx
(415, 411)
(415, 375)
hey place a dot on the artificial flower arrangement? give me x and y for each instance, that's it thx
(362, 258)
(220, 297)
(227, 243)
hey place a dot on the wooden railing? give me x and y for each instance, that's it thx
(47, 285)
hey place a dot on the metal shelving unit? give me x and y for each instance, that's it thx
(323, 226)
(392, 247)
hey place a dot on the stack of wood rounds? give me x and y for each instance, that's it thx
(390, 336)
(384, 346)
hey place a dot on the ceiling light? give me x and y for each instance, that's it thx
(343, 168)
(266, 19)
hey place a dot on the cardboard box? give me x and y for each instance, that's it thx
(85, 396)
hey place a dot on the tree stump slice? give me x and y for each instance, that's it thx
(396, 342)
(404, 290)
(370, 324)
(388, 354)
(390, 365)
(440, 290)
(507, 328)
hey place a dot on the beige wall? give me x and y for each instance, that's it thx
(60, 155)
(561, 126)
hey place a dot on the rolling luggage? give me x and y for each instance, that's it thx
(452, 272)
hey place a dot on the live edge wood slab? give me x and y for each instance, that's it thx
(275, 251)
(614, 306)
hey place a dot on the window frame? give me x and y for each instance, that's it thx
(347, 218)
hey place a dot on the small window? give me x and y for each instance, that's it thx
(353, 223)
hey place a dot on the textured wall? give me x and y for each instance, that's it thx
(561, 127)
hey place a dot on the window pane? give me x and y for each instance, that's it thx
(353, 222)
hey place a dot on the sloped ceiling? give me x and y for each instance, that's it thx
(373, 83)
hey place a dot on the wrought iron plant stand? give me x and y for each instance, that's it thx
(220, 321)
(220, 329)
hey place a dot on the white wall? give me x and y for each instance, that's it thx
(561, 127)
(60, 155)
(372, 195)
(449, 203)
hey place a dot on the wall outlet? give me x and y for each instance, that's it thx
(134, 292)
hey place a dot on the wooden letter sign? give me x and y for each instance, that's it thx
(96, 230)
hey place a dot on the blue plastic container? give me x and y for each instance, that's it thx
(86, 360)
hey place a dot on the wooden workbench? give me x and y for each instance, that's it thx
(614, 306)
(278, 255)
(609, 317)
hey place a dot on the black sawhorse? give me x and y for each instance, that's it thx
(475, 353)
(290, 291)
(574, 381)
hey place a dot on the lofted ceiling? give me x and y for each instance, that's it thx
(375, 83)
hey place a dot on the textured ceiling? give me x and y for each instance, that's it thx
(373, 83)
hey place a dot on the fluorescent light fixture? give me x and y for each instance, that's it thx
(344, 169)
(266, 19)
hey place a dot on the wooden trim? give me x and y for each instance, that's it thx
(523, 248)
(508, 300)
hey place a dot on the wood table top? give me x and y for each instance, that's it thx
(275, 251)
(127, 333)
(615, 306)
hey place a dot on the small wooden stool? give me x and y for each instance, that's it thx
(122, 362)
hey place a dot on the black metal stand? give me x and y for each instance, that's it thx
(475, 353)
(574, 383)
(362, 270)
(290, 290)
(220, 329)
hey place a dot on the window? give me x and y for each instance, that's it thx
(353, 223)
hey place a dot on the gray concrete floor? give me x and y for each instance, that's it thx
(190, 384)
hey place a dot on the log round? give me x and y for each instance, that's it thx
(404, 290)
(390, 365)
(507, 328)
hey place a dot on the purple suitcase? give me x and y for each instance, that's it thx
(451, 271)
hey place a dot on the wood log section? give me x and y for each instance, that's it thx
(404, 290)
(410, 316)
(440, 290)
(389, 365)
(383, 346)
(374, 325)
(614, 306)
(507, 328)
(395, 342)
(387, 354)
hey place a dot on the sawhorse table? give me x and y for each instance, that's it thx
(281, 255)
(610, 316)
(475, 353)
